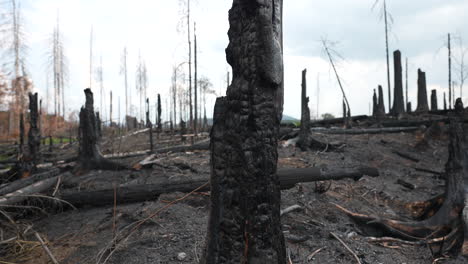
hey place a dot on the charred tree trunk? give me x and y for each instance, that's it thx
(149, 124)
(183, 130)
(304, 134)
(409, 108)
(445, 102)
(375, 105)
(98, 126)
(398, 100)
(34, 135)
(244, 223)
(89, 156)
(422, 92)
(381, 104)
(434, 106)
(21, 136)
(159, 114)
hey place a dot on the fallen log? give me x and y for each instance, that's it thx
(24, 193)
(360, 131)
(327, 122)
(21, 183)
(138, 193)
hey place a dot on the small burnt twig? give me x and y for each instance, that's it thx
(347, 247)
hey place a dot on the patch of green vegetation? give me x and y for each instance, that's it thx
(57, 140)
(4, 157)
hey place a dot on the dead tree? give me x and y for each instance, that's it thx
(304, 134)
(409, 108)
(244, 223)
(21, 136)
(434, 106)
(445, 102)
(195, 124)
(439, 222)
(149, 124)
(89, 155)
(34, 134)
(398, 100)
(159, 114)
(422, 92)
(381, 104)
(183, 130)
(375, 105)
(449, 71)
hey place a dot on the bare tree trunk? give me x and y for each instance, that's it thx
(381, 104)
(434, 100)
(422, 92)
(110, 110)
(445, 102)
(159, 114)
(375, 105)
(34, 135)
(406, 78)
(398, 100)
(196, 81)
(149, 125)
(244, 223)
(388, 57)
(304, 134)
(449, 71)
(190, 65)
(89, 155)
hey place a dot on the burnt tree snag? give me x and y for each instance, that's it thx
(149, 124)
(445, 102)
(440, 224)
(381, 104)
(422, 92)
(89, 155)
(434, 106)
(21, 136)
(98, 126)
(244, 223)
(398, 100)
(375, 105)
(159, 114)
(34, 134)
(304, 133)
(409, 108)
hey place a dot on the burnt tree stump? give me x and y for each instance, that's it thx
(409, 108)
(89, 155)
(422, 92)
(244, 222)
(304, 134)
(375, 105)
(445, 102)
(434, 106)
(398, 100)
(381, 104)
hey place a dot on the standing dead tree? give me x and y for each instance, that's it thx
(449, 47)
(381, 104)
(398, 100)
(244, 222)
(195, 124)
(422, 92)
(159, 122)
(89, 155)
(434, 106)
(123, 71)
(149, 124)
(388, 21)
(34, 134)
(304, 134)
(460, 64)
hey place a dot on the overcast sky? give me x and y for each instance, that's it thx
(153, 28)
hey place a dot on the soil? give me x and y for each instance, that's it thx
(177, 231)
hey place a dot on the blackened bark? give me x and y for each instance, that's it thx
(159, 114)
(21, 136)
(409, 108)
(445, 102)
(98, 126)
(89, 155)
(375, 104)
(381, 104)
(34, 135)
(304, 134)
(422, 92)
(398, 100)
(434, 106)
(149, 124)
(244, 223)
(183, 130)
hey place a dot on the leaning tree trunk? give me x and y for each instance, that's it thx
(89, 155)
(304, 134)
(244, 223)
(398, 100)
(422, 92)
